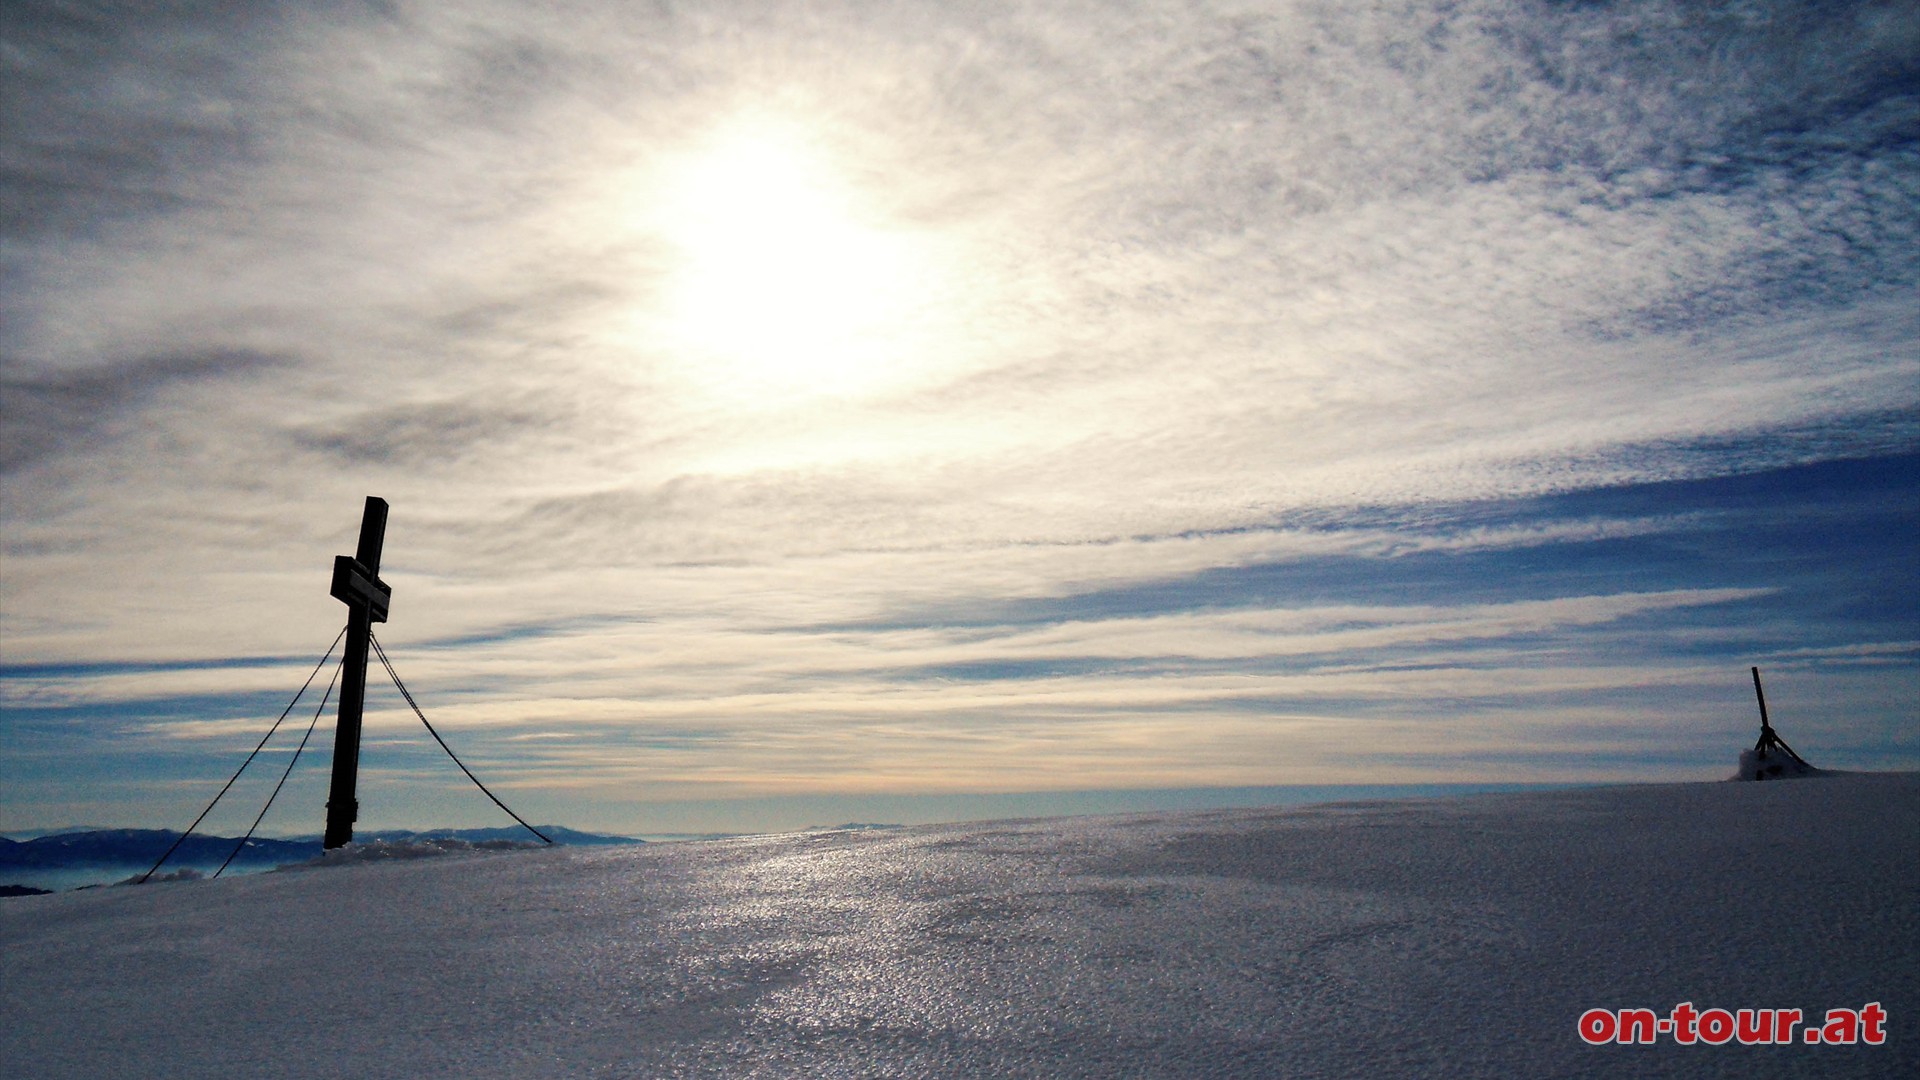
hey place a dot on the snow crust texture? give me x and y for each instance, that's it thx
(1448, 937)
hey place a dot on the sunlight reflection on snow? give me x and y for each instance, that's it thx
(1403, 936)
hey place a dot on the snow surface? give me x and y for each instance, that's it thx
(1448, 937)
(423, 848)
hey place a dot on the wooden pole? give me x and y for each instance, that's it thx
(356, 585)
(1769, 738)
(1762, 695)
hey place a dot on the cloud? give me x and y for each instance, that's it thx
(1214, 317)
(423, 436)
(115, 110)
(49, 415)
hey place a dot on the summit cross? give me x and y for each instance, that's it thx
(356, 583)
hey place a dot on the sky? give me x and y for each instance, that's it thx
(788, 403)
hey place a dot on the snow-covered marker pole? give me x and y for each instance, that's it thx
(357, 584)
(1771, 757)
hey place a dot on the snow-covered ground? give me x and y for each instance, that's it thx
(1451, 937)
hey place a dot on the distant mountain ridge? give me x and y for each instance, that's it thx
(559, 834)
(116, 847)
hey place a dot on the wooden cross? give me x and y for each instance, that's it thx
(356, 583)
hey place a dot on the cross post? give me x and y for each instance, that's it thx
(356, 583)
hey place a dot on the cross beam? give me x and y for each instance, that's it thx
(356, 583)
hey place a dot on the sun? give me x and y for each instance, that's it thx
(785, 280)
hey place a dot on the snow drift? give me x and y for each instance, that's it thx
(424, 848)
(1763, 765)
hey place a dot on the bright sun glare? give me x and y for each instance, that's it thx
(787, 284)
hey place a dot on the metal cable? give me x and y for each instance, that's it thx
(243, 765)
(395, 676)
(288, 771)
